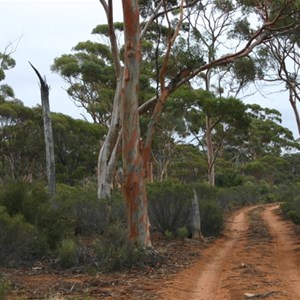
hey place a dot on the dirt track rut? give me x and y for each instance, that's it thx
(258, 257)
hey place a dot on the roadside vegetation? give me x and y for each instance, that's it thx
(207, 146)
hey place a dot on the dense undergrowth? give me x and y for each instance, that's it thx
(75, 230)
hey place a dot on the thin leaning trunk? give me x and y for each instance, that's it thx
(108, 153)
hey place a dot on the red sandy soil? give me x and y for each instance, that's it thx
(257, 258)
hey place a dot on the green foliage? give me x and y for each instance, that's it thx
(211, 211)
(294, 216)
(188, 164)
(115, 252)
(6, 63)
(212, 222)
(67, 253)
(169, 205)
(76, 148)
(85, 214)
(4, 288)
(269, 168)
(24, 198)
(205, 191)
(168, 234)
(238, 196)
(20, 141)
(291, 204)
(18, 239)
(182, 232)
(228, 178)
(245, 70)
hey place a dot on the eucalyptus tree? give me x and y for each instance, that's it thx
(136, 152)
(6, 63)
(89, 75)
(283, 67)
(187, 43)
(20, 142)
(210, 119)
(266, 134)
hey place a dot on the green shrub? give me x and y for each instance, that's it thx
(4, 288)
(19, 241)
(246, 194)
(229, 178)
(211, 211)
(114, 251)
(168, 234)
(294, 216)
(67, 253)
(291, 208)
(169, 205)
(211, 218)
(182, 232)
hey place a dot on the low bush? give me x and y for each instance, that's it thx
(4, 288)
(291, 208)
(169, 205)
(67, 253)
(114, 252)
(182, 232)
(212, 222)
(19, 241)
(211, 211)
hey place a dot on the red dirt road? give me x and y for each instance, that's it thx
(259, 257)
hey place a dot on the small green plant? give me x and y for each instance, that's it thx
(4, 288)
(182, 232)
(67, 253)
(294, 216)
(168, 234)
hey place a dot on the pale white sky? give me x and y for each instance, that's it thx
(49, 28)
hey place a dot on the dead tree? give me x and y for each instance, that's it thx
(49, 144)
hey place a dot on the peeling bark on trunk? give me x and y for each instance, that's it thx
(196, 218)
(134, 189)
(49, 144)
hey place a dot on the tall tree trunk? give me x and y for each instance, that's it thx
(210, 153)
(134, 189)
(108, 153)
(50, 158)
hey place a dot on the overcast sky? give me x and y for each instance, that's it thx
(46, 29)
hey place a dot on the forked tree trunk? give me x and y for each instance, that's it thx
(134, 189)
(49, 144)
(108, 153)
